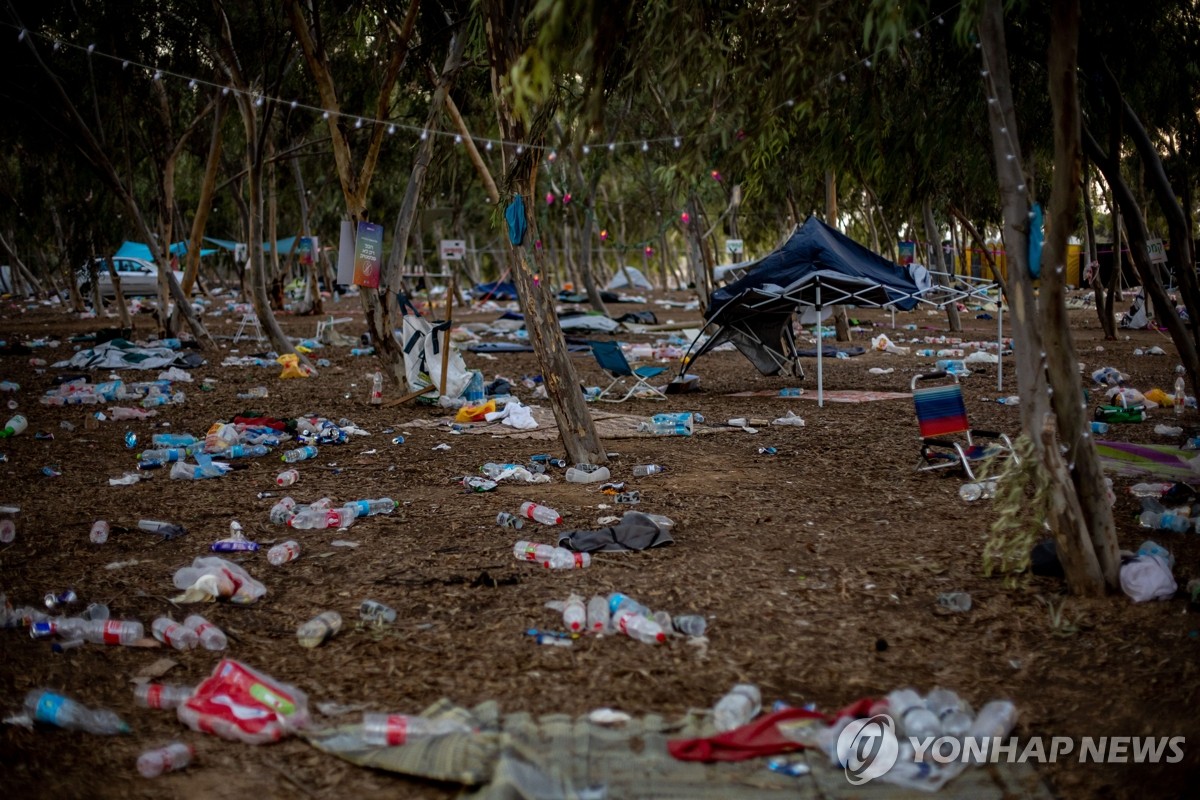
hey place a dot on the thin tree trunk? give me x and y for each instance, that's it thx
(204, 204)
(935, 259)
(481, 169)
(587, 229)
(1093, 517)
(1103, 300)
(314, 265)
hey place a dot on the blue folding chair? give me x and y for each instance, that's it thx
(612, 361)
(947, 438)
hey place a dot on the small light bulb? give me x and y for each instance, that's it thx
(358, 122)
(586, 149)
(294, 104)
(424, 135)
(192, 84)
(391, 130)
(91, 49)
(124, 64)
(645, 147)
(612, 146)
(458, 138)
(678, 143)
(520, 149)
(21, 35)
(324, 115)
(488, 146)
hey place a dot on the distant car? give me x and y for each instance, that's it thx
(138, 277)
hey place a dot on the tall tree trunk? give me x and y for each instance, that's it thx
(841, 320)
(1103, 299)
(355, 186)
(587, 230)
(314, 267)
(935, 260)
(208, 188)
(1094, 518)
(575, 424)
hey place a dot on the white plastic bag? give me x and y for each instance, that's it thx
(1148, 577)
(209, 578)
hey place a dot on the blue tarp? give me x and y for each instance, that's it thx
(142, 251)
(495, 291)
(284, 246)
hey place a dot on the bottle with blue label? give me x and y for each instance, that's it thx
(474, 393)
(670, 424)
(47, 707)
(953, 366)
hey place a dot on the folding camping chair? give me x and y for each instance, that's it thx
(942, 413)
(612, 361)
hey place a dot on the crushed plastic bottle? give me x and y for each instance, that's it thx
(211, 637)
(737, 708)
(542, 514)
(43, 705)
(171, 757)
(168, 631)
(319, 629)
(161, 695)
(550, 556)
(393, 730)
(284, 552)
(287, 477)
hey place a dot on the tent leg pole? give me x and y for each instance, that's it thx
(1000, 342)
(820, 350)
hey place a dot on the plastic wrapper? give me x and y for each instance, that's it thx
(240, 703)
(210, 577)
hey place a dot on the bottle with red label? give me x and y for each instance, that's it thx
(376, 389)
(176, 755)
(168, 631)
(111, 631)
(211, 637)
(162, 695)
(283, 553)
(551, 557)
(393, 730)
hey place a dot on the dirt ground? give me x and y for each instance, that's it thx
(818, 567)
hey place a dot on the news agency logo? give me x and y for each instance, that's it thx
(868, 747)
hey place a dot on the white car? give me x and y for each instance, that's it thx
(138, 277)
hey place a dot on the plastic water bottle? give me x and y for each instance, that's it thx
(255, 393)
(166, 455)
(618, 602)
(1099, 427)
(171, 632)
(319, 629)
(42, 705)
(247, 451)
(645, 470)
(1180, 396)
(636, 626)
(369, 508)
(1011, 400)
(283, 553)
(14, 426)
(587, 473)
(970, 492)
(173, 756)
(299, 454)
(1149, 489)
(911, 715)
(393, 730)
(283, 511)
(950, 711)
(362, 351)
(211, 637)
(690, 624)
(376, 389)
(574, 614)
(112, 631)
(162, 695)
(551, 557)
(542, 514)
(172, 439)
(1164, 520)
(737, 708)
(375, 611)
(995, 720)
(100, 531)
(598, 615)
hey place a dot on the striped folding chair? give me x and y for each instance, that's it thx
(947, 439)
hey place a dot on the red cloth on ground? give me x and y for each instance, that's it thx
(761, 737)
(266, 422)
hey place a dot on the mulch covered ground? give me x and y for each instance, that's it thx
(818, 567)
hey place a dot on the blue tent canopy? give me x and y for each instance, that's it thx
(284, 246)
(142, 251)
(816, 267)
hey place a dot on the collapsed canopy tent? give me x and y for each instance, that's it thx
(816, 267)
(497, 290)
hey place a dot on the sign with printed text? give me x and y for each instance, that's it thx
(733, 246)
(453, 249)
(908, 252)
(368, 255)
(1158, 253)
(306, 250)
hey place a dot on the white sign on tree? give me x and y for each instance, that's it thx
(733, 246)
(1158, 253)
(453, 249)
